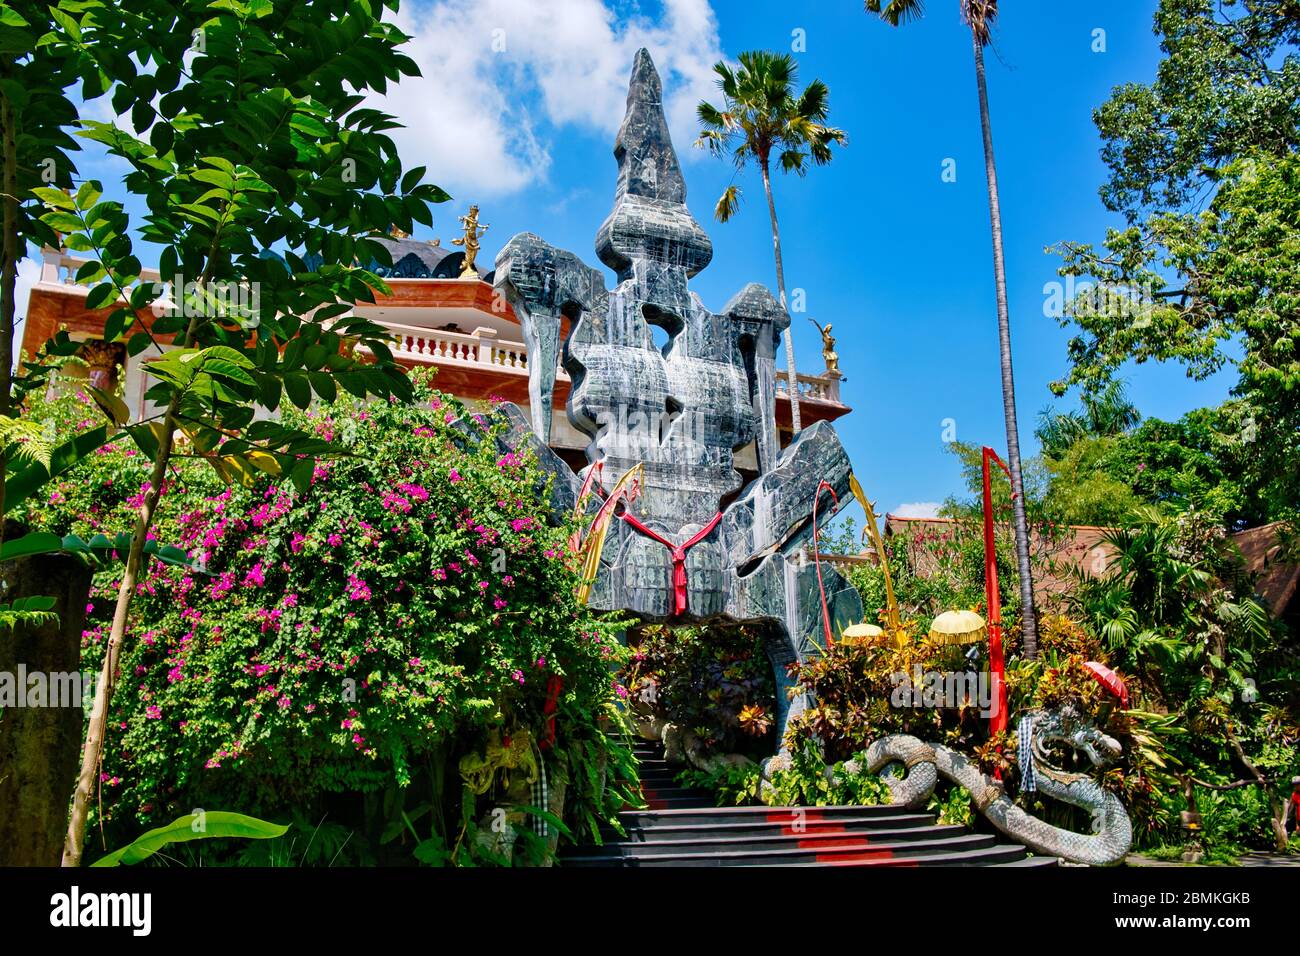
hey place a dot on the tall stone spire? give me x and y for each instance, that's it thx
(650, 220)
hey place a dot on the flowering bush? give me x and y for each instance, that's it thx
(411, 607)
(715, 681)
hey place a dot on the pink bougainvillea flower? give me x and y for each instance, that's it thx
(153, 712)
(454, 475)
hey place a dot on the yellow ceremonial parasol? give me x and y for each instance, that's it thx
(862, 633)
(959, 627)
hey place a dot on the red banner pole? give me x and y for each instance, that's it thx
(997, 665)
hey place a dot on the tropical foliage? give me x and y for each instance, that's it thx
(715, 681)
(347, 645)
(1203, 168)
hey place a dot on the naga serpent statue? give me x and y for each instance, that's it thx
(1112, 832)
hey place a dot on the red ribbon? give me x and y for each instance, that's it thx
(678, 552)
(997, 663)
(553, 686)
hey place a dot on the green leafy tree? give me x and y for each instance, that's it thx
(979, 16)
(247, 134)
(39, 62)
(1076, 449)
(1203, 168)
(762, 118)
(1175, 609)
(1209, 460)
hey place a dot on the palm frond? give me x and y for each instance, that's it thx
(715, 141)
(980, 15)
(792, 161)
(814, 101)
(726, 79)
(896, 12)
(728, 203)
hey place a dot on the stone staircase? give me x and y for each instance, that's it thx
(681, 827)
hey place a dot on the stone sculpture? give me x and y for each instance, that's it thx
(694, 545)
(1112, 832)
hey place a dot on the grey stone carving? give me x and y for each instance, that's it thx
(680, 410)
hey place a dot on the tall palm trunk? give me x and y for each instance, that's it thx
(1029, 623)
(793, 380)
(8, 270)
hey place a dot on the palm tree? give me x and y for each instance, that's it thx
(1109, 412)
(980, 15)
(761, 114)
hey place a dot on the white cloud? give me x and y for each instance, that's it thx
(502, 76)
(918, 509)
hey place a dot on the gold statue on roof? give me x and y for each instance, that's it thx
(473, 232)
(829, 355)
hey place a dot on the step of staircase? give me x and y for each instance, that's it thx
(678, 826)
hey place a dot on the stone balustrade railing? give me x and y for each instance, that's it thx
(812, 388)
(435, 347)
(60, 268)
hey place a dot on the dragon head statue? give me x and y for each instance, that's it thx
(1068, 725)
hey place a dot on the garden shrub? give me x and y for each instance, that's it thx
(858, 701)
(713, 680)
(344, 648)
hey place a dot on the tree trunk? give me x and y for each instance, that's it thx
(1277, 809)
(8, 272)
(90, 758)
(1028, 617)
(40, 740)
(793, 381)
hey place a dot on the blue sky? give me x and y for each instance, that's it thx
(520, 102)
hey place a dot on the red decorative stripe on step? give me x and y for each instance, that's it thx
(816, 843)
